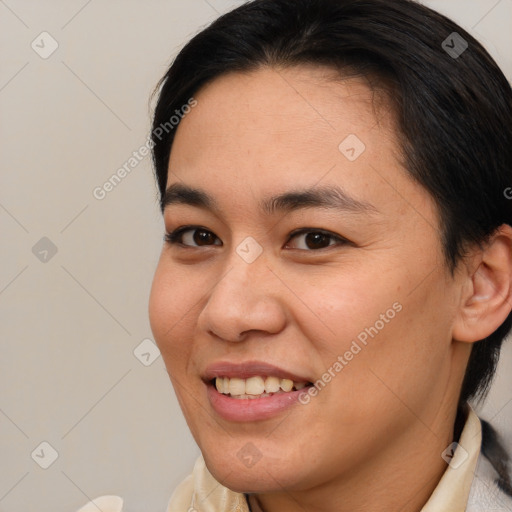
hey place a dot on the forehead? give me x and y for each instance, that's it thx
(306, 102)
(258, 133)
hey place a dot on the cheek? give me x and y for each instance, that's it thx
(171, 304)
(376, 340)
(343, 304)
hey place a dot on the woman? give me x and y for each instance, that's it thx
(335, 283)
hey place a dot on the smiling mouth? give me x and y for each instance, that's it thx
(256, 386)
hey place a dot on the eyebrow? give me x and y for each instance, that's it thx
(332, 197)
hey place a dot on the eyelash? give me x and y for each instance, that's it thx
(173, 238)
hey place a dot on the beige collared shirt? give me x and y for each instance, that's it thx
(464, 487)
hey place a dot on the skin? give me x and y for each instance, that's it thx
(390, 412)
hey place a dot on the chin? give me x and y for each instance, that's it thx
(252, 476)
(248, 480)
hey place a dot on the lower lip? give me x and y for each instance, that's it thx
(251, 409)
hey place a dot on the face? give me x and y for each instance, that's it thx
(345, 290)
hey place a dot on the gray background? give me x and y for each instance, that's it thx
(71, 321)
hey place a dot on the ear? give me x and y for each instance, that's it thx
(486, 298)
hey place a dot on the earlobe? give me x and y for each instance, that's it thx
(487, 300)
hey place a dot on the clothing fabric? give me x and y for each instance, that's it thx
(469, 484)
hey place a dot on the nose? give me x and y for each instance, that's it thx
(246, 298)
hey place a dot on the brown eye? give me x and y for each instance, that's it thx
(191, 237)
(316, 240)
(203, 237)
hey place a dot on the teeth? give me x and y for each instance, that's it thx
(255, 387)
(286, 384)
(222, 385)
(236, 386)
(272, 384)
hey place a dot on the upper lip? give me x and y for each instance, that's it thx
(246, 369)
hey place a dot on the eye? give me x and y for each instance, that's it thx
(189, 235)
(317, 239)
(196, 236)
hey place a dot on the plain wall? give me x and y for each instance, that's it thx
(70, 324)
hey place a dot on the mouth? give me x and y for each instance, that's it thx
(252, 391)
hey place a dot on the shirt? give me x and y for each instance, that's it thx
(467, 485)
